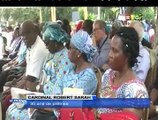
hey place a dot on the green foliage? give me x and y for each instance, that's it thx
(92, 16)
(109, 13)
(81, 12)
(64, 12)
(6, 13)
(147, 12)
(46, 14)
(20, 14)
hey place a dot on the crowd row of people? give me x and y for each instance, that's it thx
(50, 58)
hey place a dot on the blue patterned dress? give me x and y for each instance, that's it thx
(55, 68)
(86, 80)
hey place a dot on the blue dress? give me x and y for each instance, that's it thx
(86, 80)
(55, 69)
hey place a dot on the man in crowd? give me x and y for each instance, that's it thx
(143, 65)
(36, 54)
(102, 43)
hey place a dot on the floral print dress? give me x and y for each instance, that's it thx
(55, 68)
(130, 89)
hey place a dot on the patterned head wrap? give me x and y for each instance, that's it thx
(53, 32)
(82, 41)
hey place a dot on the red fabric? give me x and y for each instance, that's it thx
(5, 104)
(78, 114)
(79, 25)
(125, 115)
(6, 101)
(88, 114)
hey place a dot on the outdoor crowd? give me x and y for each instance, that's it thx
(51, 56)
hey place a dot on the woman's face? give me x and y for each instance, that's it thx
(51, 46)
(117, 60)
(73, 54)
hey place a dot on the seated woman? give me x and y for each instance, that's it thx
(54, 69)
(116, 25)
(82, 76)
(120, 81)
(81, 53)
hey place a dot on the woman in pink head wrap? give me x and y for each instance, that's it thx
(78, 26)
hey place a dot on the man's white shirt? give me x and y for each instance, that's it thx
(35, 58)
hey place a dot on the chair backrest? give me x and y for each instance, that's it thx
(151, 77)
(99, 77)
(0, 111)
(145, 114)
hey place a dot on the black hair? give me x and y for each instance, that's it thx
(66, 26)
(88, 26)
(115, 27)
(65, 21)
(130, 45)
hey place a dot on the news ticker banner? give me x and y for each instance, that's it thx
(78, 101)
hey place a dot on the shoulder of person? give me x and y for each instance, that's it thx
(107, 73)
(145, 51)
(133, 89)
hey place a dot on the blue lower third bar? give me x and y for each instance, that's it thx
(96, 103)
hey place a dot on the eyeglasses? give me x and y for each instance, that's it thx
(96, 29)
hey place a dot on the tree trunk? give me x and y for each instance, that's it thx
(40, 15)
(85, 13)
(53, 14)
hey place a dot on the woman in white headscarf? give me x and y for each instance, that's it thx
(81, 53)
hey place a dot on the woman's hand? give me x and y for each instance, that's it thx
(48, 109)
(105, 67)
(94, 41)
(45, 110)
